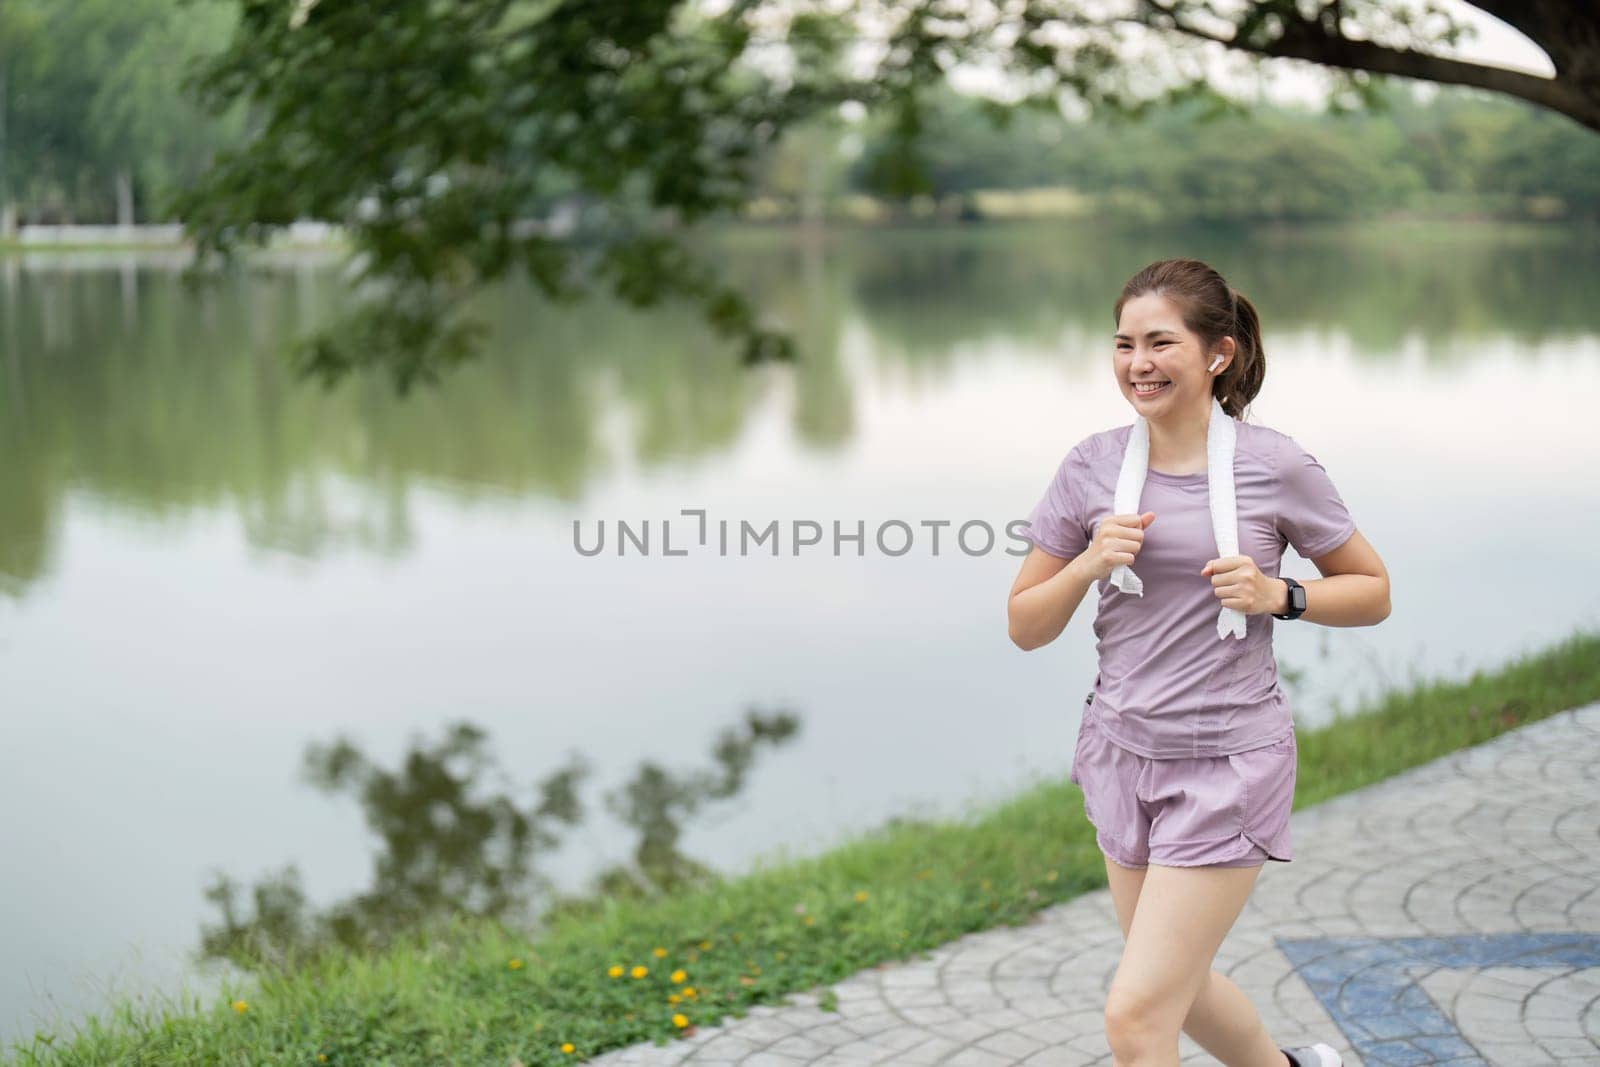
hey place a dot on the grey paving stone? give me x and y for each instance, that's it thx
(1449, 915)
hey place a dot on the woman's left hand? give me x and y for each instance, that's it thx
(1239, 584)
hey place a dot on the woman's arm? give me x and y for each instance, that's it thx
(1049, 588)
(1044, 597)
(1354, 589)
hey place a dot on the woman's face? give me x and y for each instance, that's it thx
(1152, 345)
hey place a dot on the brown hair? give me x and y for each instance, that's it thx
(1212, 310)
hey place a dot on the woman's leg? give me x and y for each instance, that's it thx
(1179, 917)
(1221, 1020)
(1224, 1023)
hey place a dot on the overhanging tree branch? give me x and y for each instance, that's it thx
(1314, 42)
(1322, 41)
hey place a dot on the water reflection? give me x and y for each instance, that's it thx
(449, 848)
(120, 383)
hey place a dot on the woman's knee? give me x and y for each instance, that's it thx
(1138, 1023)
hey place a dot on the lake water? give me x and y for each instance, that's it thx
(206, 568)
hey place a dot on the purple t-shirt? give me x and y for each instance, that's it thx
(1168, 686)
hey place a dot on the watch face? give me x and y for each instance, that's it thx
(1297, 597)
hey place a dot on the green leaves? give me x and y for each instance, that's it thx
(457, 143)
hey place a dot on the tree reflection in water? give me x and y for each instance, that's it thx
(448, 852)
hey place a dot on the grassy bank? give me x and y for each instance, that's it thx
(618, 972)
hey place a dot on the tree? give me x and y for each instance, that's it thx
(456, 141)
(91, 121)
(142, 124)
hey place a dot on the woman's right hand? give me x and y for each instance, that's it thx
(1117, 540)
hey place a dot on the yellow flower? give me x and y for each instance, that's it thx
(640, 971)
(661, 953)
(514, 964)
(688, 991)
(1050, 877)
(811, 920)
(322, 1057)
(673, 998)
(680, 1021)
(861, 895)
(704, 945)
(679, 976)
(567, 1046)
(615, 971)
(239, 1005)
(986, 884)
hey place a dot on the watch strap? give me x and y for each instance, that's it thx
(1292, 613)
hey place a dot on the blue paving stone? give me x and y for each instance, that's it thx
(1425, 1023)
(1400, 1053)
(1362, 981)
(1414, 999)
(1388, 1025)
(1368, 997)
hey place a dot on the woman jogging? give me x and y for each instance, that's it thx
(1186, 752)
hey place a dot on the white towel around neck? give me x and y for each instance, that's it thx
(1220, 435)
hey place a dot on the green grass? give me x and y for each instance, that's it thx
(477, 993)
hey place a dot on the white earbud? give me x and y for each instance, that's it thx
(1214, 363)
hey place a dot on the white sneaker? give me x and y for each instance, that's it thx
(1318, 1055)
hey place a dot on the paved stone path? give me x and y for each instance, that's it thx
(1449, 915)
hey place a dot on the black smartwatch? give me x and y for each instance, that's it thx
(1297, 600)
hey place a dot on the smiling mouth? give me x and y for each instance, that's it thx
(1149, 392)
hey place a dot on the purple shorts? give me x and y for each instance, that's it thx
(1210, 811)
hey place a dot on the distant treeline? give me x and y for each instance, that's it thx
(94, 124)
(96, 127)
(1461, 152)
